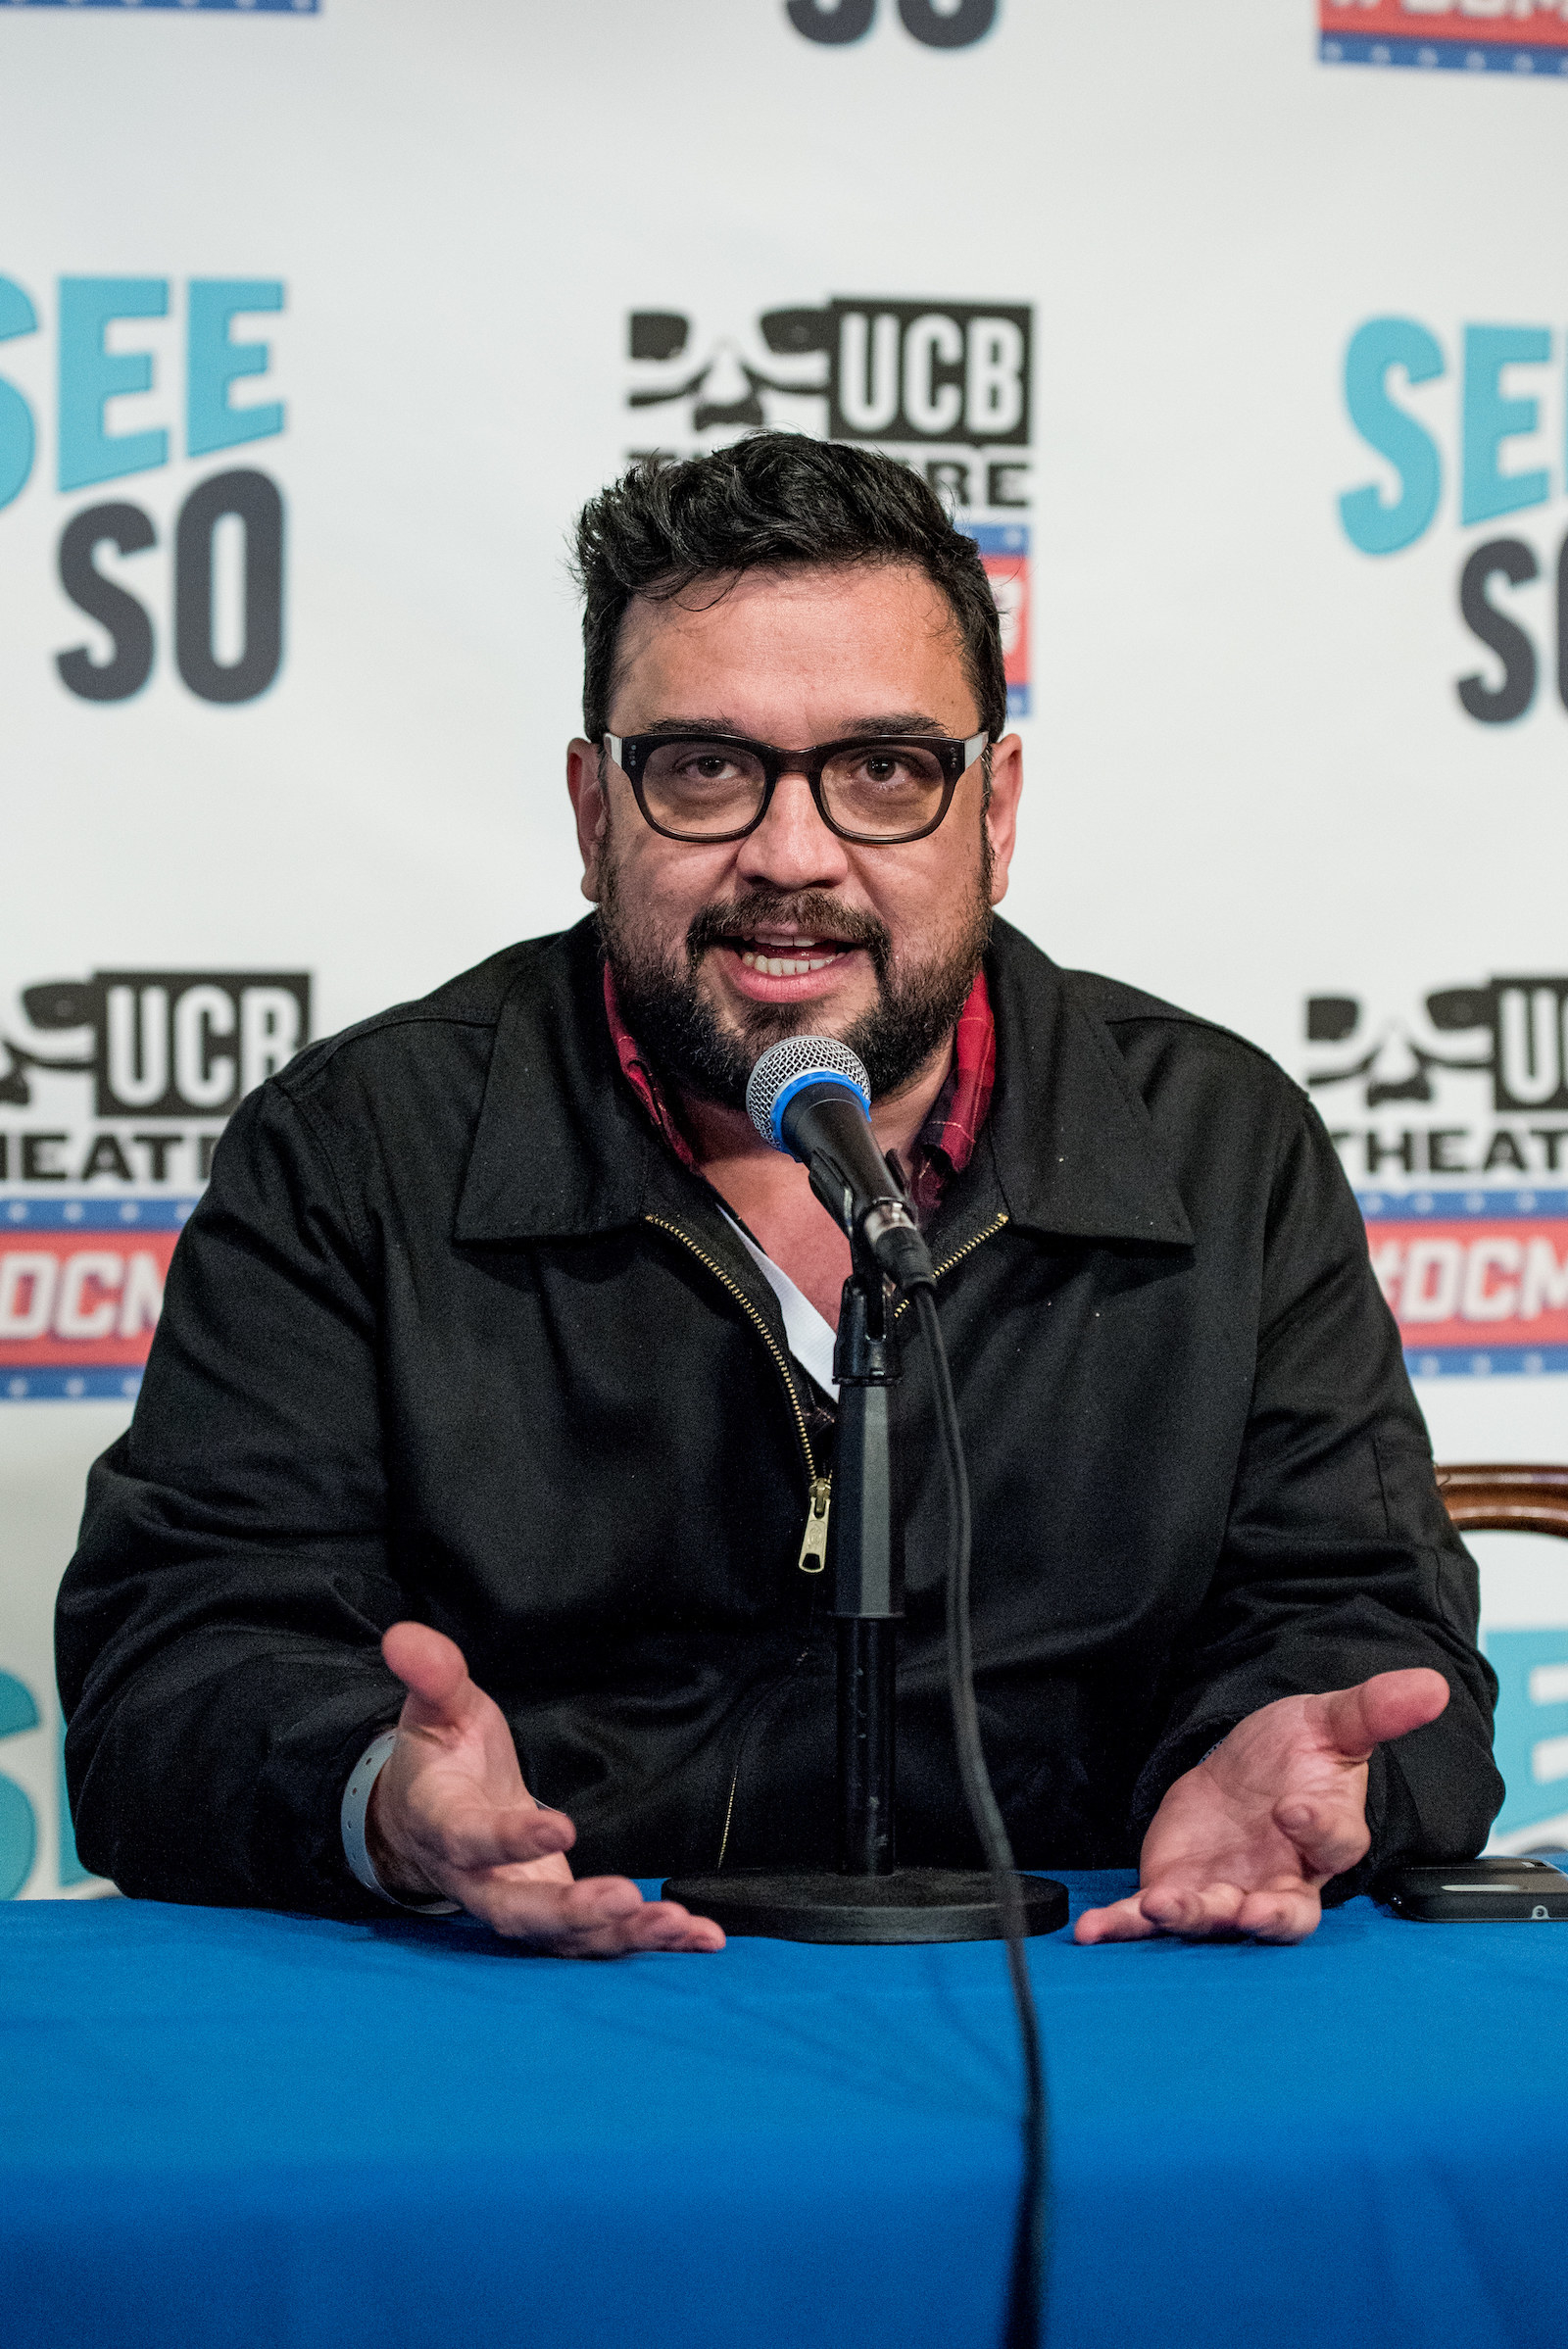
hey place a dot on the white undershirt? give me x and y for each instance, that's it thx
(811, 1338)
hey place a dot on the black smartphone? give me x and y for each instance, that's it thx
(1475, 1891)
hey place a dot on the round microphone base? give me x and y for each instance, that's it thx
(912, 1904)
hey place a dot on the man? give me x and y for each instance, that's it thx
(500, 1346)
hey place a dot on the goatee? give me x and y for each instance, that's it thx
(676, 1026)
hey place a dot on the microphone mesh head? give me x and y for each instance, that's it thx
(799, 1056)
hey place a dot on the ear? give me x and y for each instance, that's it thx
(589, 806)
(1002, 816)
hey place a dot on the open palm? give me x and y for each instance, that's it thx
(450, 1816)
(1244, 1841)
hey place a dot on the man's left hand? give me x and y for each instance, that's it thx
(1244, 1843)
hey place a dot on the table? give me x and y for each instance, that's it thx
(223, 2126)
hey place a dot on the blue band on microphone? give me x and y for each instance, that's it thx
(810, 1076)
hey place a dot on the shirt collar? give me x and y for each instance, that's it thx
(946, 1141)
(639, 1075)
(563, 1148)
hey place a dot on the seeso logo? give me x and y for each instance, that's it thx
(1488, 453)
(136, 383)
(937, 24)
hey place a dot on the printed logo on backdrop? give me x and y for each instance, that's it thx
(943, 385)
(1496, 458)
(243, 8)
(112, 1092)
(1455, 1112)
(939, 23)
(188, 572)
(1475, 36)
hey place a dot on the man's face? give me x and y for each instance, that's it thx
(720, 948)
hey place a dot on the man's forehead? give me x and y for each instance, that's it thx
(876, 725)
(832, 621)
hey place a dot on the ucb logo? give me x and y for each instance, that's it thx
(1517, 1032)
(1529, 1023)
(953, 26)
(166, 1044)
(916, 372)
(893, 371)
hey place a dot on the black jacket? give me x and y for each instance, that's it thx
(453, 1334)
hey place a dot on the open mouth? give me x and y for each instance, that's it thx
(795, 960)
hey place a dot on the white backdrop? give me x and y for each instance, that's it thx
(455, 237)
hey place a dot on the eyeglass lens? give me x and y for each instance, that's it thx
(704, 789)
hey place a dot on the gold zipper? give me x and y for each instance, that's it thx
(974, 1239)
(821, 1486)
(813, 1541)
(729, 1807)
(760, 1325)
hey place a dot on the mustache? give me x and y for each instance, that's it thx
(810, 911)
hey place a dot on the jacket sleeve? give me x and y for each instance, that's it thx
(218, 1629)
(1339, 1558)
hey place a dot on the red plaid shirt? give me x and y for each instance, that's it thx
(946, 1141)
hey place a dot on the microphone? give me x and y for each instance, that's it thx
(810, 1096)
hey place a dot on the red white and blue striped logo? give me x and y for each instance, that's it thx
(1500, 36)
(1476, 1280)
(82, 1286)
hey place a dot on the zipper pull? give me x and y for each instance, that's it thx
(813, 1543)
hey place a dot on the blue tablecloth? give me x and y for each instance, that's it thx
(218, 2126)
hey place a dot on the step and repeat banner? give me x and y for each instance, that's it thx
(1234, 330)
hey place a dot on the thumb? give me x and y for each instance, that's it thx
(432, 1668)
(1388, 1705)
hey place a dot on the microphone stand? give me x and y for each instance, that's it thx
(870, 1898)
(865, 1563)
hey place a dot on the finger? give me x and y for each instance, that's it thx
(480, 1836)
(1330, 1837)
(665, 1925)
(1387, 1706)
(604, 1916)
(433, 1670)
(1122, 1921)
(598, 1922)
(1193, 1909)
(1282, 1915)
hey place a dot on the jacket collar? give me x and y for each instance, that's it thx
(1074, 1148)
(563, 1149)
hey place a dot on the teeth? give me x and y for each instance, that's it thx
(785, 966)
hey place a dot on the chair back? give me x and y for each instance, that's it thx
(1505, 1497)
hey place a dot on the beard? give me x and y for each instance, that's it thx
(678, 1028)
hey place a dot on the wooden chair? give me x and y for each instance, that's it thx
(1507, 1499)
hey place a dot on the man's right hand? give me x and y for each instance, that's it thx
(450, 1818)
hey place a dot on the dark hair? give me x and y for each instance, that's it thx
(772, 499)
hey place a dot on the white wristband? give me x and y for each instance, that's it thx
(356, 1808)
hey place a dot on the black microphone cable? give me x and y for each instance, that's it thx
(798, 1098)
(1026, 2289)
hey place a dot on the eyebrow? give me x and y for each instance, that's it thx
(898, 722)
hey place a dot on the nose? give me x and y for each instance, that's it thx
(792, 847)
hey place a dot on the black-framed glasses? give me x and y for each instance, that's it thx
(714, 787)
